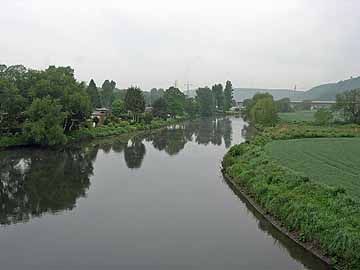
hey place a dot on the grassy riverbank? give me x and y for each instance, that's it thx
(112, 129)
(323, 214)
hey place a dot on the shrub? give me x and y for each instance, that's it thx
(323, 117)
(148, 117)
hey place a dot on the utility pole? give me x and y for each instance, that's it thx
(187, 85)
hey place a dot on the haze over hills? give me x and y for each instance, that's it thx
(321, 92)
(330, 90)
(241, 94)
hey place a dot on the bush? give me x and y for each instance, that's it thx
(323, 117)
(148, 117)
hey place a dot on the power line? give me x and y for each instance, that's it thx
(187, 85)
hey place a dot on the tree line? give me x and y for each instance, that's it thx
(206, 102)
(45, 105)
(263, 109)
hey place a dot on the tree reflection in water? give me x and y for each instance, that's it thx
(134, 153)
(174, 138)
(38, 181)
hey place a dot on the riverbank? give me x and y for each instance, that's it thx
(322, 217)
(112, 129)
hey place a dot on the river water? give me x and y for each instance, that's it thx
(152, 201)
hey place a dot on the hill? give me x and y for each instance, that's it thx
(245, 93)
(241, 94)
(330, 90)
(321, 92)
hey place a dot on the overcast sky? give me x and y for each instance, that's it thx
(152, 43)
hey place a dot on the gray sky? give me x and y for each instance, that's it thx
(152, 43)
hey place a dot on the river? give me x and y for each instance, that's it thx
(153, 201)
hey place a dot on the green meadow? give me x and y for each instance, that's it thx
(333, 161)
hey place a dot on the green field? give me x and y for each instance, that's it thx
(334, 161)
(299, 116)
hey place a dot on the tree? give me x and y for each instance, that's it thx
(134, 102)
(323, 116)
(160, 108)
(155, 94)
(44, 122)
(264, 112)
(77, 107)
(218, 94)
(93, 93)
(349, 103)
(205, 101)
(59, 83)
(283, 105)
(175, 100)
(228, 96)
(107, 94)
(12, 104)
(118, 107)
(250, 103)
(191, 107)
(20, 87)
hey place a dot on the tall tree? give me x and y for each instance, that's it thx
(228, 96)
(160, 108)
(134, 102)
(218, 94)
(175, 100)
(107, 93)
(93, 93)
(205, 101)
(155, 94)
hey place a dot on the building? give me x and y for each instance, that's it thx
(100, 114)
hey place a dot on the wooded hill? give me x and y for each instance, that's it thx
(321, 92)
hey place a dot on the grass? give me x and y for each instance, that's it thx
(333, 161)
(316, 211)
(298, 116)
(305, 117)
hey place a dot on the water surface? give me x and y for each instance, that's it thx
(156, 201)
